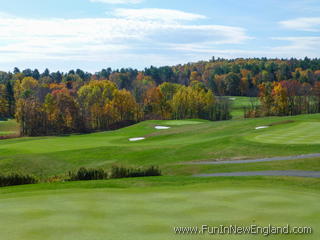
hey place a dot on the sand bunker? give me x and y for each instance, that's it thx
(261, 127)
(161, 127)
(136, 139)
(232, 99)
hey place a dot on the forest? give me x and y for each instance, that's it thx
(51, 103)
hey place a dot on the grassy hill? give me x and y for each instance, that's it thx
(149, 208)
(183, 142)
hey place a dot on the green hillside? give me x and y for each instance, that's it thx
(183, 142)
(149, 208)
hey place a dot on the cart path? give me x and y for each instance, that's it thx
(304, 156)
(313, 174)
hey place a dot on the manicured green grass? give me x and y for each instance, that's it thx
(48, 156)
(293, 133)
(9, 127)
(150, 208)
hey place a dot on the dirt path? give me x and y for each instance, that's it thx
(257, 160)
(313, 174)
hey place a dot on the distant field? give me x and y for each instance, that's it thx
(182, 122)
(9, 127)
(239, 103)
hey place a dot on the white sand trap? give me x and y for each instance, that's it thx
(136, 139)
(232, 99)
(261, 127)
(161, 127)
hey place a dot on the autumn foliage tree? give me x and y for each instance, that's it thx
(286, 98)
(62, 112)
(29, 110)
(191, 102)
(280, 100)
(4, 104)
(93, 98)
(125, 106)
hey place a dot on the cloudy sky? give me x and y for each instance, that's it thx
(95, 34)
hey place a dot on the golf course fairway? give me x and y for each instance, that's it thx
(183, 142)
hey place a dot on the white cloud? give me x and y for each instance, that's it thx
(118, 1)
(98, 39)
(298, 47)
(289, 47)
(311, 24)
(305, 6)
(165, 15)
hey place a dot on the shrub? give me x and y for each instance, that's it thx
(122, 172)
(17, 179)
(88, 174)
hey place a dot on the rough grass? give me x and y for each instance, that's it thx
(150, 208)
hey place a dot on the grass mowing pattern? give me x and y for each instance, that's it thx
(301, 133)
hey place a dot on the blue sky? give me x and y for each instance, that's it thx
(95, 34)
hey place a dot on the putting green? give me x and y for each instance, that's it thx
(301, 133)
(150, 213)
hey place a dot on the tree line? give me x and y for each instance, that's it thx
(78, 101)
(286, 98)
(94, 105)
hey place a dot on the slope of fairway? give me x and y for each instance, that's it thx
(229, 140)
(118, 210)
(299, 133)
